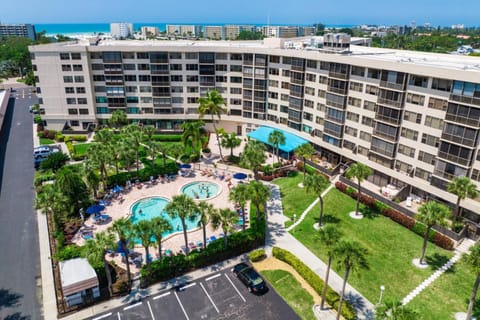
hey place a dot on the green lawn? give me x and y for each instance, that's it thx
(291, 291)
(46, 141)
(391, 248)
(294, 199)
(447, 295)
(81, 149)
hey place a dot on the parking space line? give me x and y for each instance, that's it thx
(162, 295)
(104, 316)
(187, 286)
(150, 308)
(133, 306)
(213, 277)
(234, 287)
(181, 306)
(118, 316)
(209, 298)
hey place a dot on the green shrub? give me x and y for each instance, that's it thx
(77, 137)
(59, 137)
(54, 161)
(257, 255)
(167, 137)
(68, 252)
(37, 119)
(70, 147)
(350, 191)
(333, 298)
(206, 150)
(67, 139)
(40, 179)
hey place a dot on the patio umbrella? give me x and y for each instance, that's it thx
(103, 203)
(117, 188)
(96, 208)
(240, 176)
(185, 166)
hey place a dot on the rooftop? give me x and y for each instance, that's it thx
(77, 274)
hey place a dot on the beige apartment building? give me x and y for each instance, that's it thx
(148, 32)
(213, 32)
(412, 117)
(184, 30)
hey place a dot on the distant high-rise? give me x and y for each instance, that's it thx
(149, 31)
(121, 29)
(17, 30)
(213, 32)
(184, 30)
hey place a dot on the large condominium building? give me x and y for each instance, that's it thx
(231, 32)
(184, 30)
(213, 32)
(121, 29)
(281, 31)
(413, 117)
(17, 30)
(148, 32)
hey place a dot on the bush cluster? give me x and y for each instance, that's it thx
(40, 179)
(332, 298)
(143, 174)
(77, 138)
(48, 134)
(167, 137)
(257, 255)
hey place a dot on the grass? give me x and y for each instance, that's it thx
(291, 291)
(81, 149)
(46, 141)
(448, 295)
(391, 248)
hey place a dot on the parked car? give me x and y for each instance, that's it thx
(250, 278)
(42, 152)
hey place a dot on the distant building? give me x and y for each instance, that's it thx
(287, 32)
(121, 29)
(458, 26)
(149, 31)
(336, 41)
(213, 32)
(184, 30)
(464, 49)
(18, 30)
(231, 32)
(306, 31)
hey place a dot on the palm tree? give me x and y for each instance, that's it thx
(104, 136)
(123, 230)
(226, 219)
(258, 194)
(118, 118)
(193, 132)
(153, 149)
(212, 104)
(330, 236)
(127, 154)
(317, 183)
(160, 225)
(91, 177)
(276, 138)
(305, 151)
(175, 150)
(351, 256)
(72, 186)
(114, 149)
(184, 208)
(231, 141)
(149, 131)
(163, 148)
(253, 156)
(394, 310)
(205, 212)
(463, 188)
(95, 251)
(100, 157)
(360, 172)
(473, 259)
(143, 230)
(134, 135)
(240, 194)
(430, 214)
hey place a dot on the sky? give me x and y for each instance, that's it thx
(331, 12)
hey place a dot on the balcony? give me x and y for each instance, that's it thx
(443, 174)
(390, 120)
(296, 81)
(300, 68)
(388, 102)
(463, 120)
(338, 75)
(342, 91)
(463, 99)
(333, 133)
(458, 139)
(295, 119)
(384, 135)
(392, 85)
(382, 151)
(453, 158)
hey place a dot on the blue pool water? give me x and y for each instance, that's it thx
(148, 208)
(201, 190)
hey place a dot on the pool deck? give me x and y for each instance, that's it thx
(121, 208)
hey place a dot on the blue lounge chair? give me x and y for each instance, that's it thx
(213, 238)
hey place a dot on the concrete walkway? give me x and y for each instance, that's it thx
(277, 236)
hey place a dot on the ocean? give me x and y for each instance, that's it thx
(95, 28)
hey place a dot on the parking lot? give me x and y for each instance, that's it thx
(217, 296)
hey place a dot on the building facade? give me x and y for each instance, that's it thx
(184, 30)
(121, 29)
(17, 30)
(412, 117)
(213, 32)
(148, 32)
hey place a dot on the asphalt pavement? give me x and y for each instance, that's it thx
(19, 264)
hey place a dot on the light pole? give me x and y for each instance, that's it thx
(382, 288)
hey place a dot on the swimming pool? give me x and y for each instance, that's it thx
(148, 208)
(201, 190)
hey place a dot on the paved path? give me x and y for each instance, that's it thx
(277, 236)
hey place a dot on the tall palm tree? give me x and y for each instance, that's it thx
(175, 150)
(134, 135)
(160, 225)
(72, 186)
(153, 149)
(100, 157)
(143, 230)
(473, 259)
(276, 138)
(394, 310)
(118, 119)
(212, 104)
(253, 156)
(240, 194)
(360, 172)
(91, 177)
(52, 202)
(164, 148)
(204, 214)
(430, 214)
(104, 136)
(330, 236)
(350, 256)
(305, 151)
(259, 194)
(231, 141)
(149, 131)
(127, 154)
(115, 152)
(463, 188)
(122, 228)
(226, 219)
(317, 183)
(95, 251)
(193, 132)
(184, 208)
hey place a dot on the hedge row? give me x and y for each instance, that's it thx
(395, 215)
(167, 137)
(143, 174)
(332, 298)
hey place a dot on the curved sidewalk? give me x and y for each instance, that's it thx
(277, 236)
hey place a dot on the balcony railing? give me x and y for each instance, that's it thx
(338, 75)
(453, 158)
(395, 121)
(382, 151)
(388, 102)
(463, 120)
(392, 85)
(469, 100)
(458, 139)
(443, 174)
(342, 91)
(384, 135)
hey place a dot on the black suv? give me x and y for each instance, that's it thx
(250, 278)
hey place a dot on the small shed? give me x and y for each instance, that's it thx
(79, 281)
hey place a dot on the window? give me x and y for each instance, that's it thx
(143, 66)
(365, 136)
(79, 79)
(355, 102)
(369, 105)
(412, 117)
(322, 93)
(66, 67)
(353, 116)
(146, 99)
(438, 104)
(175, 55)
(441, 84)
(77, 67)
(310, 91)
(221, 67)
(422, 174)
(72, 112)
(405, 150)
(176, 67)
(351, 131)
(430, 140)
(308, 103)
(371, 90)
(373, 73)
(368, 121)
(176, 78)
(81, 90)
(101, 99)
(426, 157)
(71, 101)
(235, 79)
(382, 147)
(358, 71)
(69, 90)
(143, 55)
(409, 134)
(64, 56)
(310, 77)
(322, 79)
(191, 78)
(97, 77)
(81, 100)
(418, 81)
(415, 99)
(130, 77)
(176, 89)
(192, 99)
(433, 122)
(356, 86)
(192, 89)
(76, 56)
